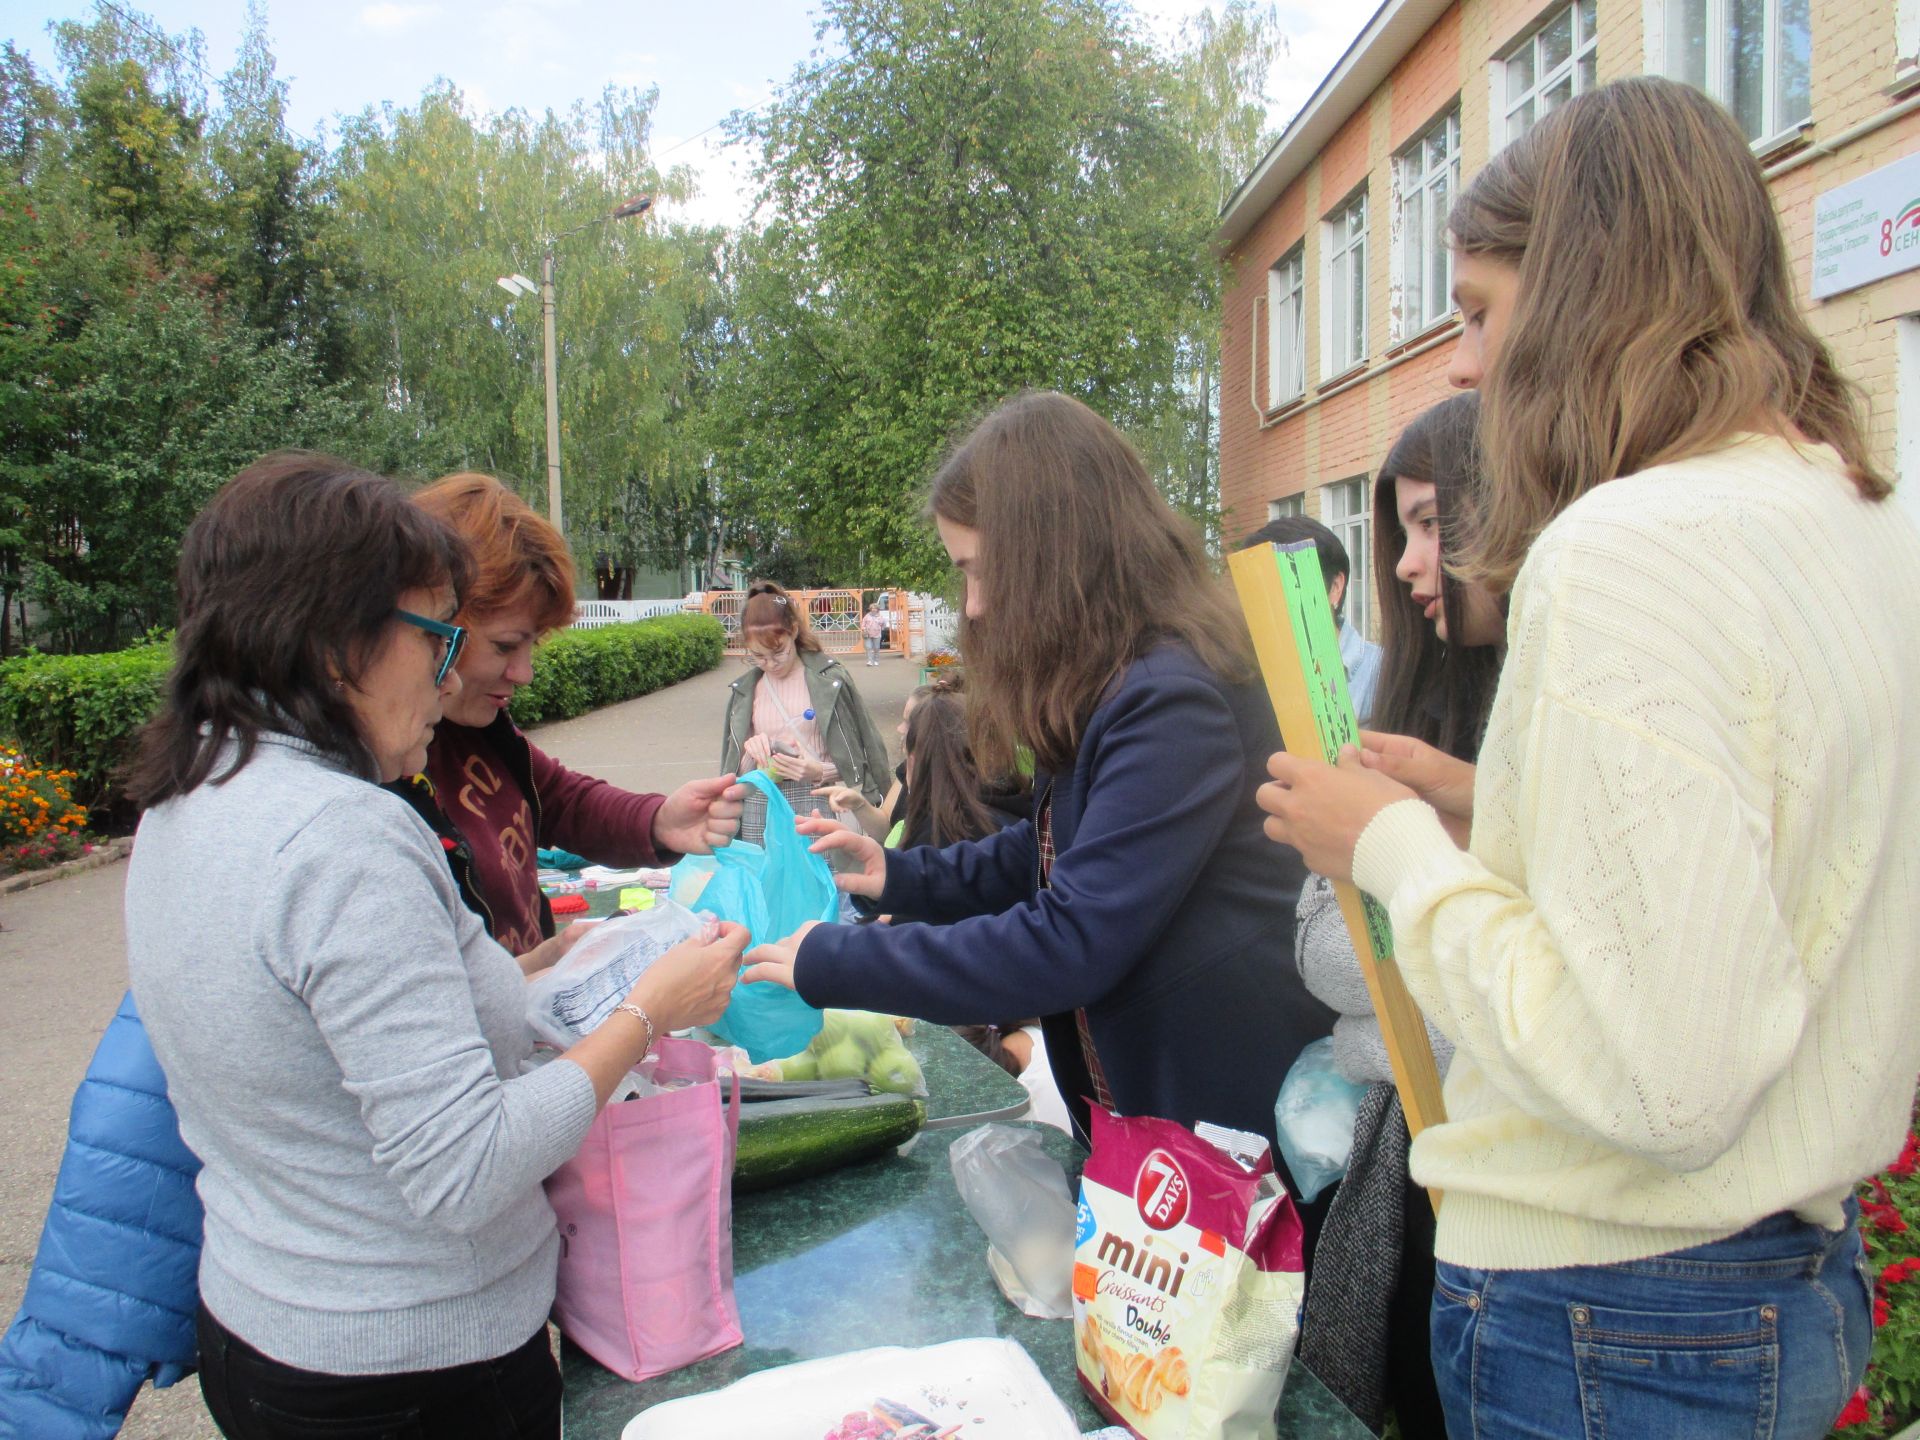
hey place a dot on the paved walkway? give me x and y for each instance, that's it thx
(63, 966)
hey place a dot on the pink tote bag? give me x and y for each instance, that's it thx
(646, 1223)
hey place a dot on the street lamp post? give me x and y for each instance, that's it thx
(520, 285)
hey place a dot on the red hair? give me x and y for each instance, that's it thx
(519, 559)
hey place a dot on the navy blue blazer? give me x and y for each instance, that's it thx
(1169, 917)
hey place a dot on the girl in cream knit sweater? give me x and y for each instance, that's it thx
(1680, 957)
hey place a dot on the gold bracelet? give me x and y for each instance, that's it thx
(644, 1018)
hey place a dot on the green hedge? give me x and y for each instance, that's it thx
(81, 712)
(581, 670)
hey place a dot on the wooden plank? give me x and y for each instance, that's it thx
(1284, 598)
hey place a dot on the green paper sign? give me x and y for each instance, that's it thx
(1317, 637)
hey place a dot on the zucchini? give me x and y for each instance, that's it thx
(786, 1140)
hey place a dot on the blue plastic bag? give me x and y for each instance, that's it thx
(1313, 1118)
(772, 889)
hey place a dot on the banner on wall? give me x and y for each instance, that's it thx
(1867, 229)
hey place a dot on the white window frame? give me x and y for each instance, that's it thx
(1286, 507)
(1586, 42)
(1287, 328)
(1906, 485)
(1345, 507)
(1341, 250)
(1423, 193)
(1662, 32)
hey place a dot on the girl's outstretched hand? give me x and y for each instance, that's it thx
(775, 960)
(830, 835)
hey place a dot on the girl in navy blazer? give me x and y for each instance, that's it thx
(1140, 909)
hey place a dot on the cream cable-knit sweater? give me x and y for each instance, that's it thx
(1681, 958)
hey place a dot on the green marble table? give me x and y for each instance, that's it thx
(881, 1253)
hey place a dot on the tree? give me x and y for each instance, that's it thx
(437, 204)
(982, 195)
(1220, 81)
(152, 345)
(271, 237)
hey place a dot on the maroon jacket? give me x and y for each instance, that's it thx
(507, 799)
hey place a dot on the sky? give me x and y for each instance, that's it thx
(707, 60)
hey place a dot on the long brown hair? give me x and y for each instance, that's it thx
(1083, 569)
(288, 582)
(1430, 689)
(519, 559)
(943, 785)
(1655, 316)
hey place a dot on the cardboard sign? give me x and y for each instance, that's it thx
(1284, 598)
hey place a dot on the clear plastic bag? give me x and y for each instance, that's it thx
(1313, 1118)
(571, 999)
(1018, 1194)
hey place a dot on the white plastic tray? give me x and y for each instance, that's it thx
(990, 1387)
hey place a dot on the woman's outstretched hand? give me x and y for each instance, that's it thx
(700, 817)
(775, 960)
(830, 835)
(1435, 776)
(1321, 810)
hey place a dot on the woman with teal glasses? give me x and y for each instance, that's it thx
(345, 1044)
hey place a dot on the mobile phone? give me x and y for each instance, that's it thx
(784, 747)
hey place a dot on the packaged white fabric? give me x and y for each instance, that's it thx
(572, 998)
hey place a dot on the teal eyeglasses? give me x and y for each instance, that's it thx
(454, 637)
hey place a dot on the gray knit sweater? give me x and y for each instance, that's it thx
(344, 1044)
(1324, 951)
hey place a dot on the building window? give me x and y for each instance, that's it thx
(1345, 509)
(1753, 56)
(1287, 319)
(1286, 507)
(1551, 66)
(1429, 174)
(1346, 286)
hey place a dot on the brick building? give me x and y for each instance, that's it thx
(1337, 323)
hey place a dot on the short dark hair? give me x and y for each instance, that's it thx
(288, 581)
(1292, 529)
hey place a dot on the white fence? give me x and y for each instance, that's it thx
(939, 627)
(592, 614)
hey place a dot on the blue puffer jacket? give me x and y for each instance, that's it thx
(111, 1299)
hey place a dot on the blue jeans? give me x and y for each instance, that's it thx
(1762, 1335)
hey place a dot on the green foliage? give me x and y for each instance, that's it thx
(984, 195)
(980, 195)
(579, 670)
(169, 311)
(438, 203)
(82, 712)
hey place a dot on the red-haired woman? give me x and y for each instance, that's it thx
(504, 797)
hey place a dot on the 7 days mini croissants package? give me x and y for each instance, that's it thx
(1187, 1280)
